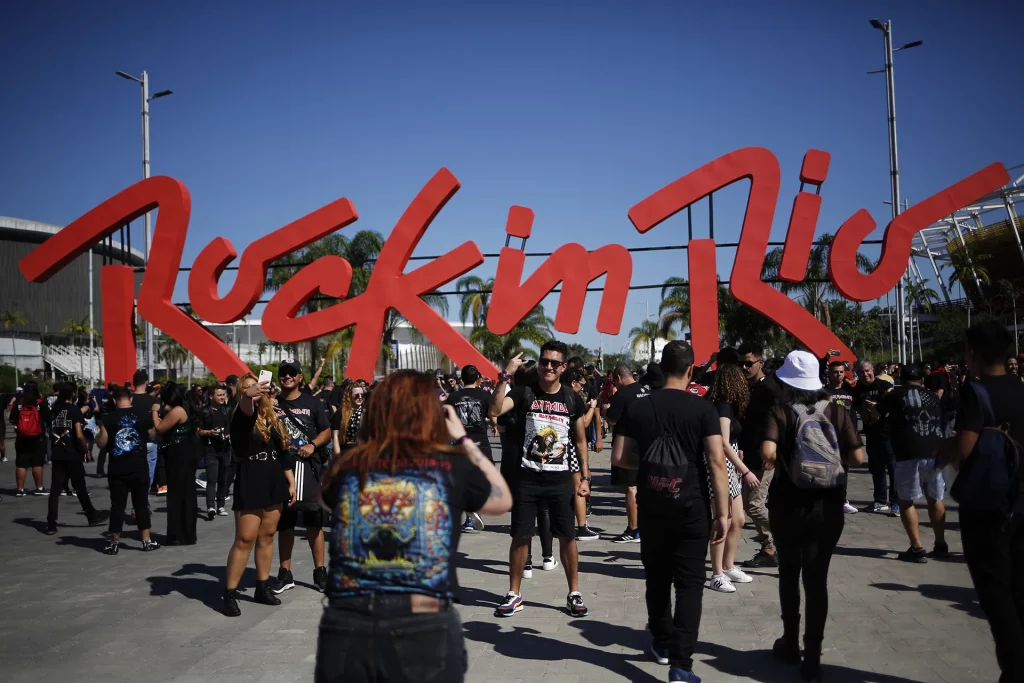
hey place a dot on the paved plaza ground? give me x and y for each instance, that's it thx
(70, 613)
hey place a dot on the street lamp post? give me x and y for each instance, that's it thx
(144, 82)
(894, 173)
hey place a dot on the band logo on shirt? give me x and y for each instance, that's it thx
(664, 484)
(541, 406)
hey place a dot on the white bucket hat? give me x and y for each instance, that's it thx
(801, 371)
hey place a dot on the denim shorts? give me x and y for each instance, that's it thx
(918, 479)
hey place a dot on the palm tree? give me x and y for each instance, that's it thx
(394, 319)
(816, 290)
(79, 328)
(969, 270)
(675, 303)
(1009, 291)
(173, 354)
(534, 329)
(361, 251)
(648, 332)
(923, 295)
(474, 299)
(260, 350)
(14, 319)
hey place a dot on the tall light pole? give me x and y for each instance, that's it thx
(894, 173)
(144, 82)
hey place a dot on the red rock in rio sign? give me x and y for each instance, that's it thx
(512, 299)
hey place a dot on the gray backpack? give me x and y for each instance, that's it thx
(815, 462)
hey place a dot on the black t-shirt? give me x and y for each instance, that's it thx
(843, 396)
(781, 429)
(310, 415)
(620, 401)
(689, 418)
(864, 395)
(246, 441)
(913, 417)
(128, 433)
(735, 426)
(216, 417)
(145, 402)
(763, 396)
(399, 532)
(545, 426)
(1006, 394)
(63, 418)
(471, 405)
(937, 380)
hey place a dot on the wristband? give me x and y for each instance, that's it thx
(462, 439)
(504, 376)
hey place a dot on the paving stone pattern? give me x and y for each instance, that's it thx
(70, 613)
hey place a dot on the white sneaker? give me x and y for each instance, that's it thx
(478, 524)
(221, 512)
(849, 509)
(722, 584)
(528, 572)
(737, 575)
(549, 564)
(201, 483)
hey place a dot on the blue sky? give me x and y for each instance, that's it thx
(577, 110)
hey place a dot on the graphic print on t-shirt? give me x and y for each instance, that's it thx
(127, 439)
(920, 410)
(470, 413)
(60, 429)
(393, 535)
(547, 438)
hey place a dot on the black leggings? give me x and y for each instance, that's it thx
(805, 538)
(136, 484)
(62, 472)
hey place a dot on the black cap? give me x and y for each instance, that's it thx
(289, 363)
(913, 372)
(231, 380)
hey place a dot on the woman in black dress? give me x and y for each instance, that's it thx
(181, 453)
(345, 422)
(264, 483)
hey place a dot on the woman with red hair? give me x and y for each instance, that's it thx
(397, 499)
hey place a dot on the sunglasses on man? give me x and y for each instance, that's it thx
(750, 363)
(550, 362)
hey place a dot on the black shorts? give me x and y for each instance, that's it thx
(553, 490)
(290, 518)
(29, 451)
(623, 477)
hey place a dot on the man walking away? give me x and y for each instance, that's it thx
(214, 430)
(548, 415)
(471, 404)
(993, 538)
(68, 451)
(627, 390)
(665, 437)
(764, 392)
(914, 419)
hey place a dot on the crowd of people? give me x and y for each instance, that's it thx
(397, 470)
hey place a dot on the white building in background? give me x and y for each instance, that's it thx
(642, 354)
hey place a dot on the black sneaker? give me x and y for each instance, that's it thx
(628, 536)
(149, 544)
(913, 554)
(265, 594)
(583, 533)
(941, 550)
(112, 548)
(512, 603)
(51, 530)
(660, 653)
(99, 517)
(762, 559)
(231, 608)
(574, 603)
(20, 493)
(40, 492)
(285, 581)
(320, 579)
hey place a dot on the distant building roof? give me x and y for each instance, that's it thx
(21, 230)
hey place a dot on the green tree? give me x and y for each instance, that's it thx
(173, 354)
(969, 270)
(474, 299)
(647, 333)
(361, 251)
(12, 318)
(675, 303)
(393, 320)
(260, 350)
(577, 349)
(613, 359)
(1010, 292)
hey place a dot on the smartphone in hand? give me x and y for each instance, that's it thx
(265, 376)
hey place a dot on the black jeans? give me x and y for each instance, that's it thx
(805, 538)
(61, 472)
(121, 485)
(994, 550)
(881, 464)
(218, 474)
(358, 647)
(673, 553)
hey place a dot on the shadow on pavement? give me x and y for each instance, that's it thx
(963, 598)
(865, 552)
(32, 523)
(185, 581)
(759, 665)
(525, 643)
